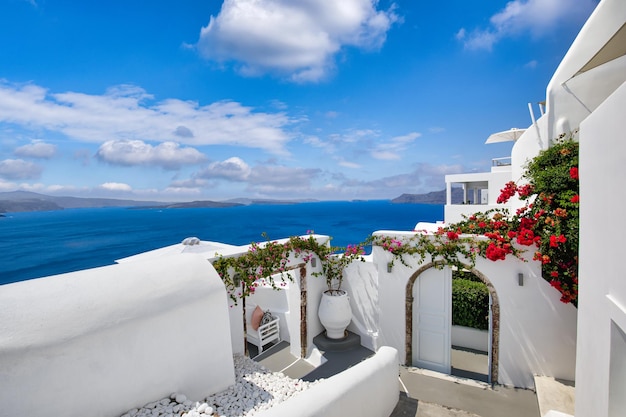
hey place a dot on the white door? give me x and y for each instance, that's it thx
(432, 320)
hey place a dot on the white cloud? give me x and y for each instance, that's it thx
(538, 17)
(282, 177)
(7, 185)
(385, 155)
(269, 179)
(116, 186)
(294, 39)
(169, 155)
(36, 149)
(425, 177)
(18, 169)
(531, 64)
(349, 164)
(394, 148)
(129, 113)
(232, 169)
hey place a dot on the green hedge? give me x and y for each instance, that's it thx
(470, 304)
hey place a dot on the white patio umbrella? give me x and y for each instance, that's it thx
(505, 136)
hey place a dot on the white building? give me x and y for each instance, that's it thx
(586, 93)
(114, 317)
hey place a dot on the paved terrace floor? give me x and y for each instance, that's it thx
(421, 393)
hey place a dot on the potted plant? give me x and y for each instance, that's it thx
(334, 312)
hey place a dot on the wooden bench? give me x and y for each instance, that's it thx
(265, 334)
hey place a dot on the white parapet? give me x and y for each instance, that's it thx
(102, 341)
(369, 389)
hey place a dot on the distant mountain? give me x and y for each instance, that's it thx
(196, 204)
(434, 197)
(27, 205)
(260, 201)
(15, 201)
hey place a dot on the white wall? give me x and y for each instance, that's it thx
(602, 297)
(106, 340)
(361, 283)
(537, 331)
(468, 337)
(315, 286)
(368, 389)
(570, 97)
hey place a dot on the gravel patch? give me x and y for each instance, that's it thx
(256, 389)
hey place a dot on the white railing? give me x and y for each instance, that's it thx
(501, 162)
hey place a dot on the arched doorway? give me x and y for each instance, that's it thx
(494, 315)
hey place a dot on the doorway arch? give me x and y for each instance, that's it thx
(495, 316)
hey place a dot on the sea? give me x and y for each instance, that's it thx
(44, 243)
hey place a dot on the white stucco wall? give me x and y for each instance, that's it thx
(315, 286)
(468, 337)
(361, 283)
(602, 296)
(537, 331)
(368, 389)
(102, 341)
(570, 97)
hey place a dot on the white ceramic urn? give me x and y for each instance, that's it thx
(335, 313)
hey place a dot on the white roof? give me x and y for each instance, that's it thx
(195, 246)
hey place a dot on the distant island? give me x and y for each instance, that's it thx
(19, 201)
(434, 197)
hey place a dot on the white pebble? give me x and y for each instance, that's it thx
(256, 389)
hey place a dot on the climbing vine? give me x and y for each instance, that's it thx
(547, 223)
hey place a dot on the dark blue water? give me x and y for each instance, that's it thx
(39, 244)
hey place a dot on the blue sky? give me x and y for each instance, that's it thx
(321, 99)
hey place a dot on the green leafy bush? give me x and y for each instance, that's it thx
(470, 304)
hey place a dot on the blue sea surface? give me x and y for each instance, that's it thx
(38, 244)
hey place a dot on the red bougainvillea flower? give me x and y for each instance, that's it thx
(525, 190)
(575, 199)
(527, 223)
(573, 173)
(509, 190)
(555, 240)
(554, 274)
(556, 284)
(526, 237)
(495, 252)
(545, 259)
(553, 243)
(559, 212)
(452, 235)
